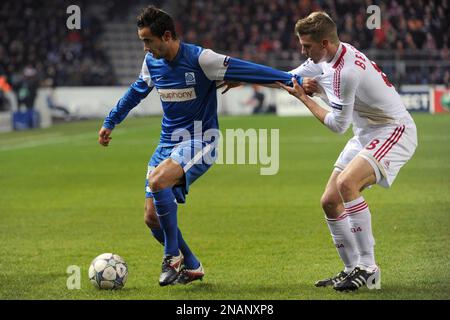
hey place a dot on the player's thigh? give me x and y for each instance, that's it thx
(351, 149)
(167, 174)
(349, 163)
(150, 217)
(357, 175)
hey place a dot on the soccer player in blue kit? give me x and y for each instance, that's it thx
(185, 77)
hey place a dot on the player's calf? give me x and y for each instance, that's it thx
(151, 221)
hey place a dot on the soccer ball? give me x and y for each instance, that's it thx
(108, 271)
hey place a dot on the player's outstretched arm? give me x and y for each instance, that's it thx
(135, 93)
(310, 85)
(228, 85)
(224, 68)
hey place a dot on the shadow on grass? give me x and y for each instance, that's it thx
(303, 291)
(243, 290)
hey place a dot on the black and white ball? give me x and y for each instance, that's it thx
(108, 271)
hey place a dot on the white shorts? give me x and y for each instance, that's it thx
(387, 149)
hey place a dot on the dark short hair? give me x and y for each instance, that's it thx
(157, 20)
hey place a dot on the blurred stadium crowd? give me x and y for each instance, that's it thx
(35, 43)
(37, 49)
(263, 31)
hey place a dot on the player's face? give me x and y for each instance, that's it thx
(312, 49)
(157, 46)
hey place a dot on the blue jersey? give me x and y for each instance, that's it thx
(187, 88)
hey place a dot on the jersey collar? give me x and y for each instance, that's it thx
(338, 56)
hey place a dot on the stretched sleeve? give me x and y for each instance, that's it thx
(220, 67)
(135, 93)
(342, 102)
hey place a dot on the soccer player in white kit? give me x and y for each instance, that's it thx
(385, 138)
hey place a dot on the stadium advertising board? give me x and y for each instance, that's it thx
(441, 100)
(416, 98)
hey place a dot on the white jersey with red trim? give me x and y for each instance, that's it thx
(357, 90)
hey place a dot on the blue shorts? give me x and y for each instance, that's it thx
(194, 156)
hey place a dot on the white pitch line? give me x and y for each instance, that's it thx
(37, 142)
(55, 138)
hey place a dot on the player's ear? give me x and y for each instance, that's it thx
(167, 35)
(325, 43)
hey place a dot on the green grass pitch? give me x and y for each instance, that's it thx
(64, 199)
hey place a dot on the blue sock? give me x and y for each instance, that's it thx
(190, 260)
(166, 209)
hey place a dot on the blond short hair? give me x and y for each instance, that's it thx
(319, 26)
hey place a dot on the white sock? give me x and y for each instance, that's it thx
(361, 227)
(344, 241)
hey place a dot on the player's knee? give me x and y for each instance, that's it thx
(326, 201)
(155, 182)
(346, 185)
(330, 203)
